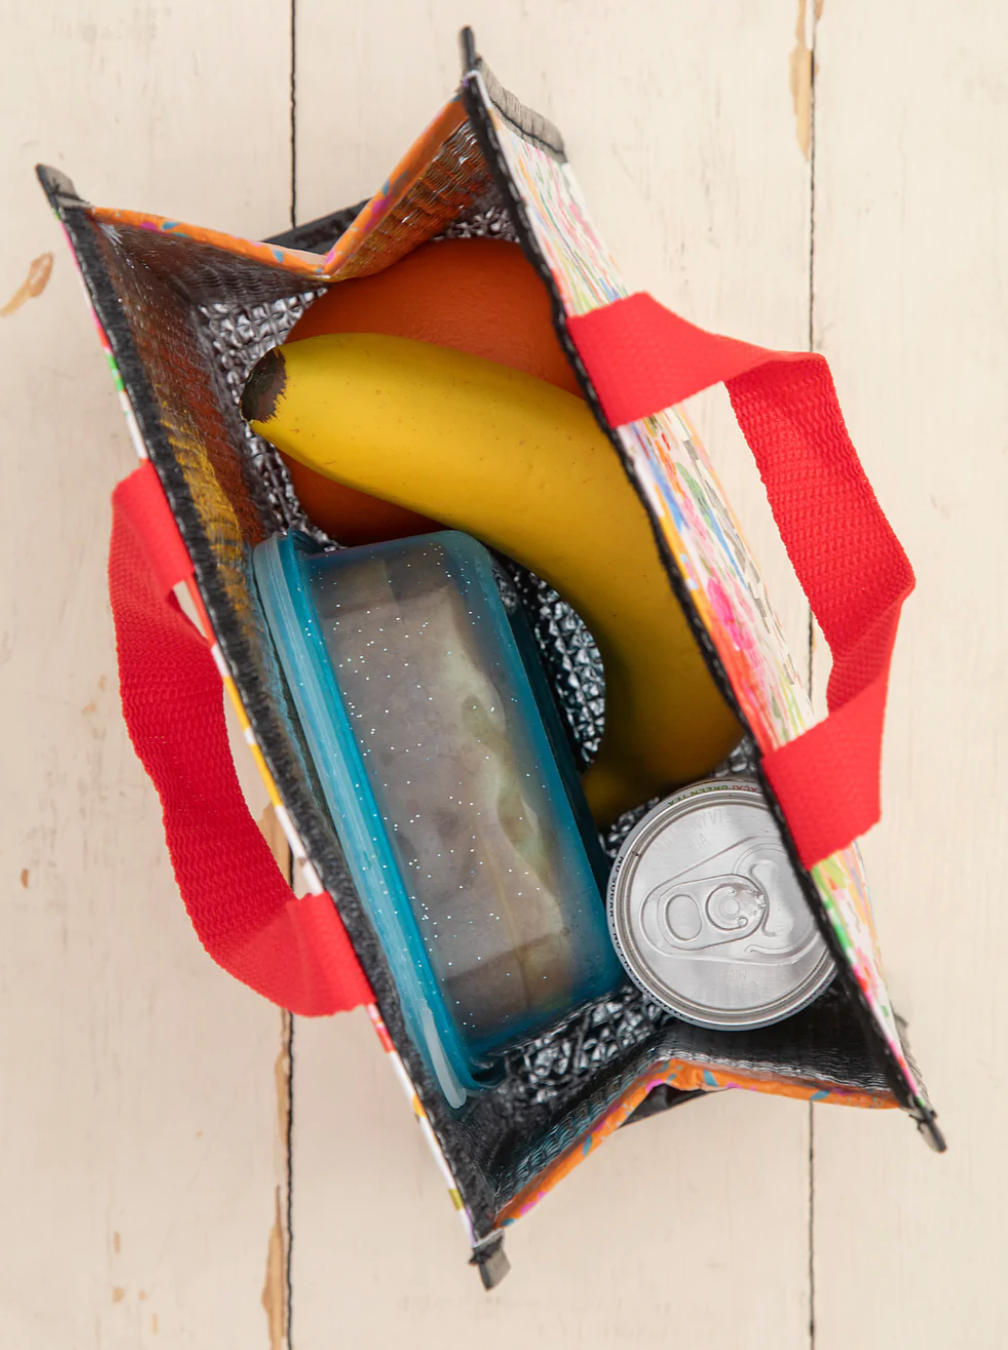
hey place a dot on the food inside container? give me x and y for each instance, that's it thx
(470, 855)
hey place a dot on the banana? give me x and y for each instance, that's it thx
(523, 466)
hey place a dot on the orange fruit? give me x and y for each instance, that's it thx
(478, 295)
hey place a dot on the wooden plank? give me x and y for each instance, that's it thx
(685, 145)
(911, 199)
(140, 1149)
(698, 1219)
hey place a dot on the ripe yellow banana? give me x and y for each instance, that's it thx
(523, 466)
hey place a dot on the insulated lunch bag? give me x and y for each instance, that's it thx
(185, 313)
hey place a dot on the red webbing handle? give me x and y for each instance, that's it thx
(295, 951)
(642, 358)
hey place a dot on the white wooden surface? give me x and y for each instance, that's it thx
(141, 1146)
(911, 274)
(139, 1139)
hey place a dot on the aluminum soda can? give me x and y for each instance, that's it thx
(707, 914)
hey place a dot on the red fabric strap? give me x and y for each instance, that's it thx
(294, 951)
(642, 358)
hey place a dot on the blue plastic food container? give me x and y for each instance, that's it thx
(460, 817)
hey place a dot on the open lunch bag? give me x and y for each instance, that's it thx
(185, 313)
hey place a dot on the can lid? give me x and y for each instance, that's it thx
(707, 914)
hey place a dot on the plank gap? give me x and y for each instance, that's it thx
(277, 1300)
(811, 1227)
(293, 114)
(288, 1017)
(289, 1160)
(817, 11)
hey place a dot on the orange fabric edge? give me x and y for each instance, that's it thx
(295, 261)
(687, 1078)
(415, 160)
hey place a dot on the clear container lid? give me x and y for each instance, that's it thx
(444, 787)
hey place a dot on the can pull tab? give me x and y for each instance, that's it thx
(693, 914)
(705, 912)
